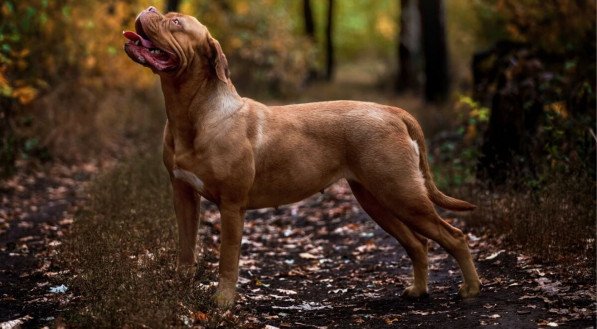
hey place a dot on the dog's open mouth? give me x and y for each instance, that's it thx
(140, 49)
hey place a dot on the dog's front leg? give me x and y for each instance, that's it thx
(186, 207)
(230, 240)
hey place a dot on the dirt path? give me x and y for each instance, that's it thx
(323, 263)
(36, 208)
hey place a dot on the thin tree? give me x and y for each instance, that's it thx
(435, 50)
(309, 23)
(329, 44)
(408, 46)
(308, 19)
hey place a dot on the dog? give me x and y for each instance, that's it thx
(241, 154)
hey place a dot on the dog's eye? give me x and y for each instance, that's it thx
(176, 21)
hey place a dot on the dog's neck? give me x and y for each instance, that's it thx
(193, 105)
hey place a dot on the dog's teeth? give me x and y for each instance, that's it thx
(137, 42)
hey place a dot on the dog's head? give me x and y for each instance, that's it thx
(175, 44)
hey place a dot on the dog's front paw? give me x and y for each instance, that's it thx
(413, 292)
(469, 291)
(224, 298)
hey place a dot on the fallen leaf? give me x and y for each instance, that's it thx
(59, 289)
(200, 316)
(495, 254)
(390, 321)
(287, 292)
(306, 255)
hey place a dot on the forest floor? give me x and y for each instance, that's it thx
(319, 263)
(314, 264)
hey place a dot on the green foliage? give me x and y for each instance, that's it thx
(458, 155)
(544, 76)
(361, 27)
(50, 46)
(259, 38)
(18, 83)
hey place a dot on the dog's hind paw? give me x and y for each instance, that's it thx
(469, 291)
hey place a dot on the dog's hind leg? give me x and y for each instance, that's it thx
(414, 244)
(405, 196)
(420, 216)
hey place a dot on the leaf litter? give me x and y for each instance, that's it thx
(317, 263)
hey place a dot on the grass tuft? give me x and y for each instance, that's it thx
(122, 250)
(555, 223)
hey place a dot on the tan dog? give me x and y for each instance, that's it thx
(241, 154)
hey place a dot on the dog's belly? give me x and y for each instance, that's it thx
(285, 190)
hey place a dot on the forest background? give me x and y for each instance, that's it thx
(505, 90)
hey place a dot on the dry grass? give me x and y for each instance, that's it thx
(123, 252)
(555, 224)
(79, 123)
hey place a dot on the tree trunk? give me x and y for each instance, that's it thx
(434, 49)
(329, 44)
(310, 33)
(508, 149)
(172, 5)
(308, 19)
(408, 46)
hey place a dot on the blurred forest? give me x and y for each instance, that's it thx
(505, 90)
(517, 78)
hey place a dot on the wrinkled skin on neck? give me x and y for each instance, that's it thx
(190, 62)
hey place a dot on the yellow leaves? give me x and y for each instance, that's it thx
(22, 53)
(200, 316)
(390, 320)
(386, 27)
(7, 9)
(242, 8)
(25, 94)
(558, 108)
(471, 133)
(5, 88)
(22, 92)
(236, 42)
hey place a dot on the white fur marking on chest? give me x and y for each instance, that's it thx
(222, 104)
(189, 178)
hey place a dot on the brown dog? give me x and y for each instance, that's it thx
(241, 154)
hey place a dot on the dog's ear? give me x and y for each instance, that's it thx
(218, 59)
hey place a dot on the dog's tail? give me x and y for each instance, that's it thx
(436, 196)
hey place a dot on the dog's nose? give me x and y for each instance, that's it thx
(152, 9)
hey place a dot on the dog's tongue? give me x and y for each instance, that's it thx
(135, 37)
